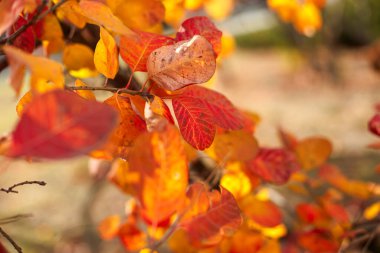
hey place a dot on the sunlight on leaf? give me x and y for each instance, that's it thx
(106, 57)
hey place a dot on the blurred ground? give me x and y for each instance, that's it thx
(281, 86)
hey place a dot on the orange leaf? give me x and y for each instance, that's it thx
(288, 140)
(313, 152)
(87, 94)
(77, 56)
(317, 241)
(159, 107)
(106, 56)
(109, 227)
(70, 11)
(197, 109)
(41, 68)
(274, 165)
(60, 124)
(161, 160)
(263, 212)
(130, 127)
(102, 15)
(23, 102)
(135, 53)
(52, 35)
(310, 213)
(201, 26)
(222, 218)
(307, 19)
(219, 10)
(245, 240)
(186, 62)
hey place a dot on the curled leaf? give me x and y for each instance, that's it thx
(106, 57)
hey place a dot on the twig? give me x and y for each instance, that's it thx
(110, 89)
(14, 244)
(10, 189)
(38, 16)
(14, 218)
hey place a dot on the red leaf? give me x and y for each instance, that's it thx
(61, 124)
(136, 52)
(274, 165)
(374, 125)
(317, 241)
(223, 217)
(197, 109)
(26, 40)
(201, 26)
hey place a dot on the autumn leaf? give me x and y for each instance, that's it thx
(52, 35)
(160, 158)
(317, 241)
(262, 212)
(374, 125)
(221, 219)
(40, 67)
(26, 40)
(78, 56)
(60, 124)
(308, 19)
(109, 227)
(136, 52)
(87, 94)
(23, 103)
(130, 127)
(141, 14)
(198, 110)
(106, 57)
(201, 26)
(274, 165)
(71, 11)
(245, 239)
(310, 213)
(159, 107)
(186, 62)
(313, 152)
(102, 15)
(219, 10)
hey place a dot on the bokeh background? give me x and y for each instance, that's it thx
(324, 85)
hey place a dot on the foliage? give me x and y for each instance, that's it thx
(153, 131)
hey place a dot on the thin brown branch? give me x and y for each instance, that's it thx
(38, 16)
(11, 189)
(111, 89)
(14, 244)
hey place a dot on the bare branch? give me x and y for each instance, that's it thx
(14, 244)
(11, 189)
(111, 89)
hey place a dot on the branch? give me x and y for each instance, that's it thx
(14, 244)
(111, 89)
(10, 189)
(38, 16)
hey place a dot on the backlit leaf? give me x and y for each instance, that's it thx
(201, 26)
(274, 165)
(101, 15)
(61, 124)
(136, 52)
(106, 56)
(87, 94)
(40, 67)
(372, 211)
(130, 126)
(263, 212)
(159, 107)
(221, 219)
(245, 240)
(52, 35)
(109, 227)
(23, 102)
(160, 158)
(70, 11)
(308, 19)
(374, 125)
(310, 213)
(317, 241)
(219, 9)
(313, 152)
(141, 14)
(186, 62)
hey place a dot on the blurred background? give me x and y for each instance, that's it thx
(323, 85)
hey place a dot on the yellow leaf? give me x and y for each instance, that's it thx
(228, 45)
(78, 56)
(106, 55)
(308, 19)
(141, 15)
(372, 211)
(87, 94)
(52, 35)
(217, 9)
(24, 101)
(174, 12)
(313, 152)
(71, 12)
(193, 4)
(41, 69)
(285, 9)
(236, 181)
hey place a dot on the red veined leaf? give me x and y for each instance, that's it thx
(136, 52)
(197, 109)
(159, 157)
(61, 124)
(274, 165)
(38, 26)
(186, 62)
(194, 121)
(374, 125)
(263, 212)
(222, 218)
(201, 26)
(26, 40)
